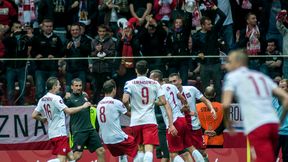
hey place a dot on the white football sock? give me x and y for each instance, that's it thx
(139, 157)
(54, 160)
(148, 157)
(178, 159)
(197, 156)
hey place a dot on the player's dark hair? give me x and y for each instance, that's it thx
(108, 86)
(158, 74)
(52, 81)
(141, 67)
(174, 74)
(76, 80)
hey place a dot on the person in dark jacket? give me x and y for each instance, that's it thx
(46, 45)
(81, 127)
(205, 42)
(101, 68)
(78, 46)
(177, 45)
(152, 40)
(16, 46)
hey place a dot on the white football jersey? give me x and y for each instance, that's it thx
(143, 93)
(191, 93)
(52, 106)
(109, 111)
(171, 92)
(253, 90)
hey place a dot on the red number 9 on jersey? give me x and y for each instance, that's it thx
(145, 95)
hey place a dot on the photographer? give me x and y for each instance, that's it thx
(16, 46)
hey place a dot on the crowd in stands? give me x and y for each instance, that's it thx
(91, 30)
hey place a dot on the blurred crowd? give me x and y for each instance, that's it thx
(88, 31)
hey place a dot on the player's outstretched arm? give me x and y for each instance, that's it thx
(74, 110)
(209, 106)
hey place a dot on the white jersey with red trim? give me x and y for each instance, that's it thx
(109, 111)
(191, 93)
(143, 94)
(171, 92)
(52, 106)
(253, 90)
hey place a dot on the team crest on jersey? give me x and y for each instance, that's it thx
(188, 95)
(60, 101)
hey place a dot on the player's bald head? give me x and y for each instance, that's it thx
(239, 56)
(210, 92)
(236, 59)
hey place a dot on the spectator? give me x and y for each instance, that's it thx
(152, 40)
(272, 65)
(282, 26)
(283, 130)
(212, 128)
(84, 11)
(205, 42)
(8, 13)
(140, 9)
(101, 68)
(241, 8)
(55, 10)
(128, 45)
(251, 39)
(78, 46)
(16, 46)
(177, 45)
(46, 45)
